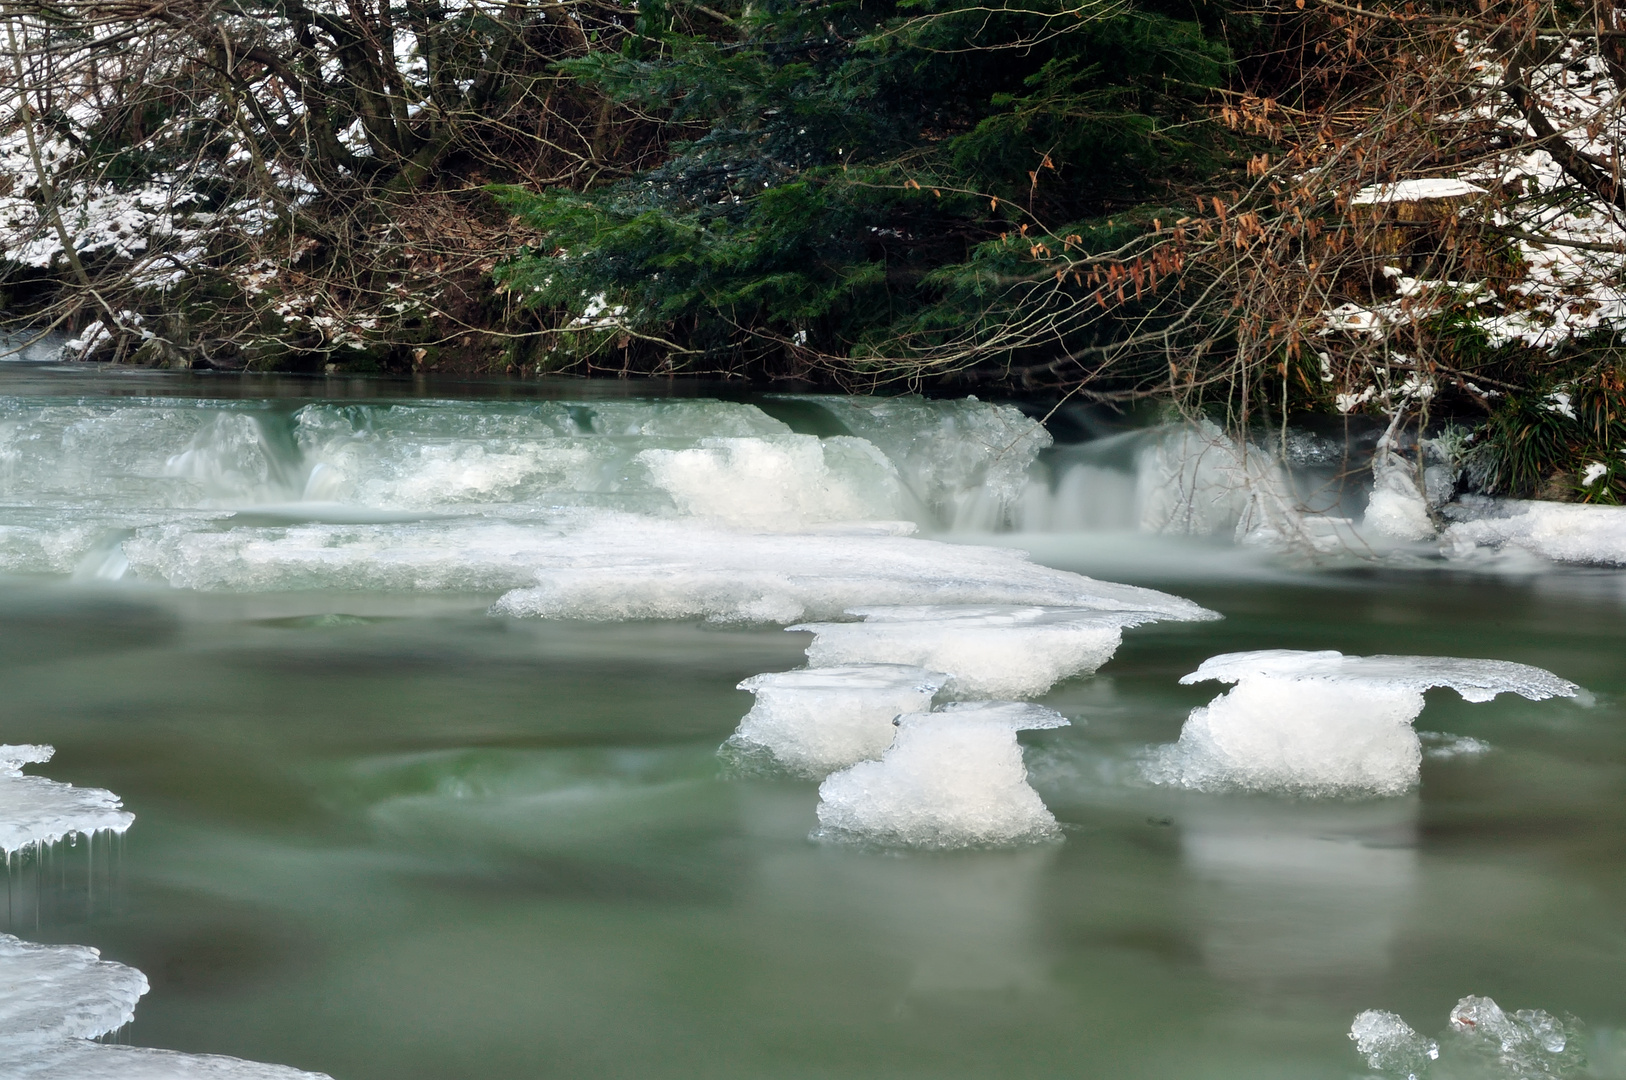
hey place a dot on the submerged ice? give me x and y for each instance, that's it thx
(989, 651)
(36, 811)
(814, 721)
(1321, 723)
(952, 778)
(1481, 1040)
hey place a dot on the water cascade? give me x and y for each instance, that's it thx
(1322, 723)
(952, 778)
(814, 721)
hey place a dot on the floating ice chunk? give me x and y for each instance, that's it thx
(1529, 1041)
(51, 992)
(989, 651)
(1563, 532)
(1321, 723)
(1388, 1043)
(815, 721)
(952, 778)
(785, 482)
(1481, 1040)
(34, 810)
(79, 1060)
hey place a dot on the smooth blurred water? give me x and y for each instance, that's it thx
(389, 835)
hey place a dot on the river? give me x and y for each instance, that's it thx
(416, 692)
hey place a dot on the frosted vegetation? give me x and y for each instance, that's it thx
(1322, 723)
(1480, 1041)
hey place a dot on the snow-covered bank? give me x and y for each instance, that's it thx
(1560, 532)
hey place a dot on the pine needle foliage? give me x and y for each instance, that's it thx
(863, 181)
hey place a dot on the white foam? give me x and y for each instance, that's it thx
(815, 721)
(989, 651)
(952, 778)
(78, 1060)
(34, 810)
(785, 482)
(1321, 723)
(1562, 532)
(964, 461)
(52, 992)
(1480, 1040)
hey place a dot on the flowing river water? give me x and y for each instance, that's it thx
(416, 693)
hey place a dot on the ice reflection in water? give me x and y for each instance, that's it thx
(1290, 893)
(945, 923)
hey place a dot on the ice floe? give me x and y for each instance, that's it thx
(1480, 1040)
(814, 721)
(1321, 723)
(990, 651)
(34, 810)
(952, 778)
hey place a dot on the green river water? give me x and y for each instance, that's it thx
(386, 835)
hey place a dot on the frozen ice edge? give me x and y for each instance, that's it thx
(36, 812)
(989, 651)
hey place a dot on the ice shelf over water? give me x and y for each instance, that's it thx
(952, 778)
(1321, 723)
(815, 721)
(1480, 1041)
(53, 992)
(34, 810)
(55, 998)
(989, 651)
(78, 1060)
